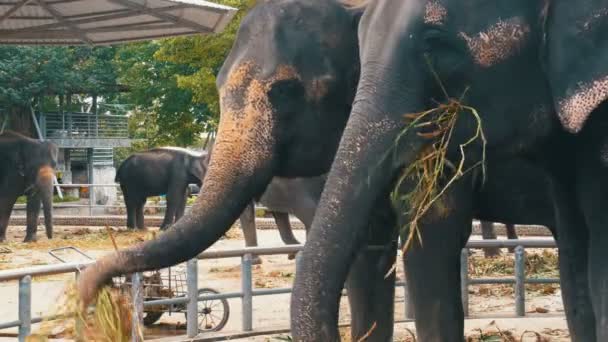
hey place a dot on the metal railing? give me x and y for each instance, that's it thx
(92, 199)
(83, 126)
(24, 276)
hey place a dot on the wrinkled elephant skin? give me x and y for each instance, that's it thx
(535, 73)
(285, 95)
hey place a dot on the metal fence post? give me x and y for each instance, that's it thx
(25, 307)
(78, 326)
(464, 280)
(520, 277)
(192, 309)
(407, 300)
(138, 306)
(247, 302)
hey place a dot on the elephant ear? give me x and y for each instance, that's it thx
(576, 58)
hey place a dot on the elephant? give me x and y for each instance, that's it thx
(532, 75)
(158, 171)
(283, 110)
(27, 168)
(286, 90)
(488, 233)
(283, 196)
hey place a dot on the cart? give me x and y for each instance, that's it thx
(163, 284)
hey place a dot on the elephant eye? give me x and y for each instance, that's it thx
(285, 88)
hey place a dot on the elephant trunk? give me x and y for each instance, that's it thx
(360, 174)
(239, 169)
(44, 183)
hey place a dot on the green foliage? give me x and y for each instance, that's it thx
(206, 55)
(28, 73)
(56, 199)
(163, 113)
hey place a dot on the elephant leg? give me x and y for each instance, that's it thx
(32, 214)
(181, 206)
(131, 205)
(488, 233)
(370, 290)
(511, 234)
(247, 220)
(432, 268)
(284, 226)
(139, 214)
(572, 243)
(174, 196)
(6, 208)
(593, 196)
(282, 221)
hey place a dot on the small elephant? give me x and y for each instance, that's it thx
(158, 171)
(26, 167)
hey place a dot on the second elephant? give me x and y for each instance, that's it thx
(159, 171)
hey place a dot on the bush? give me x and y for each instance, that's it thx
(56, 199)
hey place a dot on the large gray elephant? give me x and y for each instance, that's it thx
(535, 73)
(159, 171)
(286, 92)
(27, 167)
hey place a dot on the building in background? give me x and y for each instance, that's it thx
(86, 142)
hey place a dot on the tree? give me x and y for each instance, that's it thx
(47, 77)
(163, 113)
(205, 55)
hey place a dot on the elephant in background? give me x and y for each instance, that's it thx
(535, 73)
(26, 168)
(284, 196)
(159, 171)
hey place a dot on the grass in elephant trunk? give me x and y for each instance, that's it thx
(110, 320)
(429, 169)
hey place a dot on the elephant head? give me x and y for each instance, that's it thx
(516, 65)
(198, 168)
(285, 94)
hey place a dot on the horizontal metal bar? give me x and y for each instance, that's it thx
(232, 253)
(488, 281)
(15, 324)
(228, 295)
(528, 243)
(168, 301)
(8, 325)
(43, 270)
(268, 292)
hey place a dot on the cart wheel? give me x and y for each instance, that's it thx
(212, 314)
(150, 317)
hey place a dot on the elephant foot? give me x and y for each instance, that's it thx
(256, 260)
(29, 239)
(2, 239)
(492, 252)
(163, 228)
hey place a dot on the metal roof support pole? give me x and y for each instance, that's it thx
(13, 9)
(41, 138)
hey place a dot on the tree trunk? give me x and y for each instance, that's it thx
(20, 120)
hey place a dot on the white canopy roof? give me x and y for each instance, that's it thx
(103, 22)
